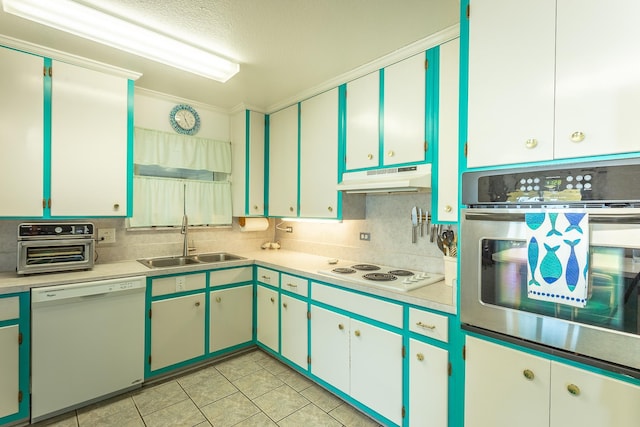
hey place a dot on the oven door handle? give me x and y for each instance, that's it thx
(597, 217)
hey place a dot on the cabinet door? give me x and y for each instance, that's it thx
(404, 111)
(247, 145)
(9, 370)
(293, 330)
(283, 162)
(505, 387)
(584, 398)
(21, 139)
(598, 98)
(428, 385)
(330, 347)
(267, 323)
(376, 369)
(511, 81)
(177, 330)
(363, 116)
(319, 156)
(447, 164)
(231, 317)
(89, 142)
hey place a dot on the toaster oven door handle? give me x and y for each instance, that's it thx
(597, 217)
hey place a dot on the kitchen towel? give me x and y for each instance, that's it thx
(558, 256)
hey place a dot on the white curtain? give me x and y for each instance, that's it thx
(161, 201)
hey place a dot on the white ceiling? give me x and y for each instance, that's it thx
(284, 47)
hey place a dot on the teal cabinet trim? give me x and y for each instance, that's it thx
(431, 104)
(342, 139)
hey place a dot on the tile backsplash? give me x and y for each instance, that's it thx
(388, 220)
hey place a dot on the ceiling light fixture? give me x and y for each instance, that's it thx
(100, 27)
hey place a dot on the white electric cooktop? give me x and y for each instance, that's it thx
(384, 277)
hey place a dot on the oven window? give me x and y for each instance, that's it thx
(39, 255)
(613, 285)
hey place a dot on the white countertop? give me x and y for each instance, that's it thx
(437, 296)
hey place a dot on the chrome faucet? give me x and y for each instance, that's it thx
(185, 232)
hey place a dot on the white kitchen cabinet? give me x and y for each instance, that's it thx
(503, 385)
(267, 317)
(446, 202)
(428, 385)
(89, 142)
(294, 334)
(583, 398)
(177, 330)
(319, 156)
(404, 111)
(362, 122)
(283, 162)
(247, 144)
(231, 317)
(21, 121)
(541, 96)
(9, 370)
(330, 347)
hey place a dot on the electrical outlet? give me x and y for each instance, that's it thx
(180, 283)
(365, 236)
(107, 235)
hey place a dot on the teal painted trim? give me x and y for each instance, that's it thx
(266, 164)
(432, 103)
(359, 317)
(231, 349)
(46, 143)
(342, 141)
(10, 322)
(207, 315)
(176, 366)
(381, 120)
(405, 367)
(298, 161)
(254, 310)
(130, 128)
(147, 329)
(247, 163)
(178, 294)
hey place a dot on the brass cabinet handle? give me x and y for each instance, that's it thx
(330, 209)
(272, 300)
(370, 156)
(284, 304)
(290, 208)
(255, 207)
(357, 333)
(573, 389)
(292, 285)
(531, 143)
(577, 136)
(116, 206)
(218, 299)
(266, 278)
(340, 326)
(426, 326)
(420, 357)
(391, 153)
(197, 303)
(528, 374)
(448, 208)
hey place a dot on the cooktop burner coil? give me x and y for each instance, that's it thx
(401, 273)
(379, 277)
(343, 270)
(365, 267)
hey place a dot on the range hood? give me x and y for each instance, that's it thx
(389, 180)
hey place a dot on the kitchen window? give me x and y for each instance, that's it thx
(178, 174)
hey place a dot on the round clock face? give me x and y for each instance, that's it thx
(184, 119)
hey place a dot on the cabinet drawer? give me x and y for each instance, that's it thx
(267, 276)
(429, 324)
(294, 284)
(9, 308)
(373, 308)
(170, 285)
(232, 275)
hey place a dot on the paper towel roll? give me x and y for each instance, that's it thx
(253, 224)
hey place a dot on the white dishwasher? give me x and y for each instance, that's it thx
(87, 342)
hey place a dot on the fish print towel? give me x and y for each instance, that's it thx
(558, 256)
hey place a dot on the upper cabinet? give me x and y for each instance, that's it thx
(66, 135)
(386, 116)
(247, 141)
(283, 162)
(564, 83)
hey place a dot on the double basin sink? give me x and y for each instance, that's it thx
(177, 261)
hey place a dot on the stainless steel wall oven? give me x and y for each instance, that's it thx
(504, 270)
(48, 247)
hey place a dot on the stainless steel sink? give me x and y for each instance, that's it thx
(177, 261)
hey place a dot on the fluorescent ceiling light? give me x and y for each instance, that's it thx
(100, 27)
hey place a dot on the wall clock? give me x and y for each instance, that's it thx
(184, 119)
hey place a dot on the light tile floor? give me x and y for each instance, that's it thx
(252, 389)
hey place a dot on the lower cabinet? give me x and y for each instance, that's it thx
(428, 385)
(294, 334)
(14, 357)
(506, 387)
(267, 317)
(231, 317)
(330, 347)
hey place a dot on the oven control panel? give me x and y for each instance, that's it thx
(609, 182)
(44, 230)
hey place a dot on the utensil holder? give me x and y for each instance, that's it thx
(450, 270)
